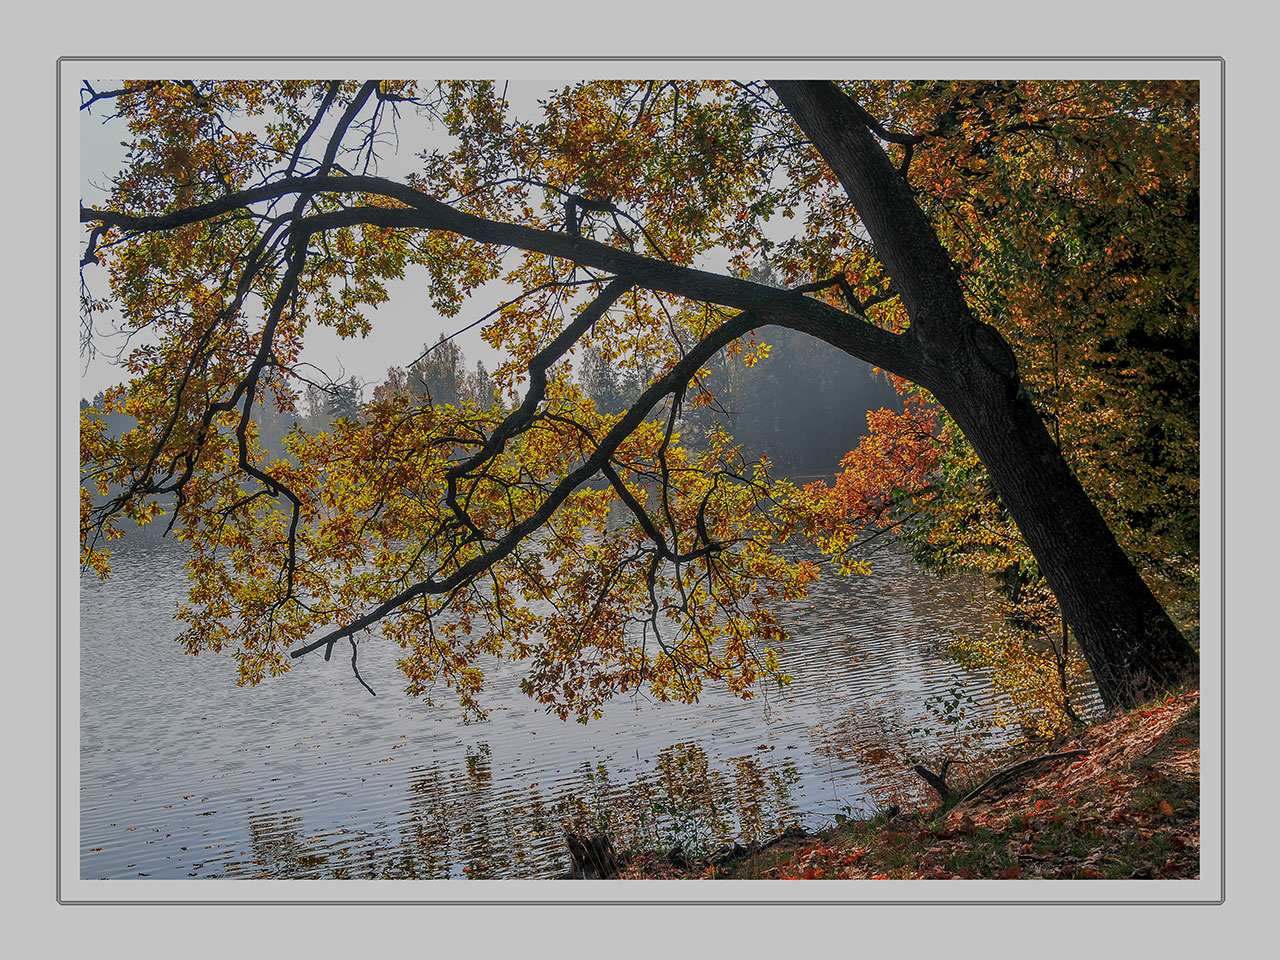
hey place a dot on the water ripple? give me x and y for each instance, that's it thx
(184, 774)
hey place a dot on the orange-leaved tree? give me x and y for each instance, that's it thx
(465, 529)
(1073, 219)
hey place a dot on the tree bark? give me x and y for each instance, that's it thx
(1132, 646)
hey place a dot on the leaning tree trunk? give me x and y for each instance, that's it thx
(1132, 646)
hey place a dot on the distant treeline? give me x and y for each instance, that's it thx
(804, 405)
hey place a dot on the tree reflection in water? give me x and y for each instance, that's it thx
(452, 828)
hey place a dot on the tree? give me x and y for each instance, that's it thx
(438, 374)
(329, 402)
(600, 382)
(1077, 222)
(462, 530)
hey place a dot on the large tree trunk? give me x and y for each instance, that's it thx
(1132, 646)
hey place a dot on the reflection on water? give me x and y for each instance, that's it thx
(688, 802)
(183, 774)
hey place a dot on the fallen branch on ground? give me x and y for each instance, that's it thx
(1008, 773)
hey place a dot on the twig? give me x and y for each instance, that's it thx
(353, 667)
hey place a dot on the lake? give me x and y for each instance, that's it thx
(184, 774)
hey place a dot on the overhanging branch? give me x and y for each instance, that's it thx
(849, 332)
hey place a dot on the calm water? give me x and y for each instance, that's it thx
(183, 774)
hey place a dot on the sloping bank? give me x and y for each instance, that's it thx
(1120, 800)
